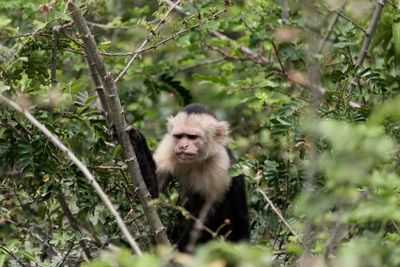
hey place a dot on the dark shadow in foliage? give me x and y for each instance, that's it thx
(171, 85)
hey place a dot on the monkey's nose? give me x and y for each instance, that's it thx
(183, 147)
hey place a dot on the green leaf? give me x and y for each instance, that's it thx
(2, 260)
(104, 45)
(3, 87)
(4, 21)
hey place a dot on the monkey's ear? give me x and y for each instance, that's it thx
(221, 132)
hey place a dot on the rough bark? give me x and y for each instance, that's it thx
(118, 118)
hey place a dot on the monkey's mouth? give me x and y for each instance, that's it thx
(185, 155)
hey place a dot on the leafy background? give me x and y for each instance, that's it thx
(313, 130)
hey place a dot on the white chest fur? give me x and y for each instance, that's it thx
(209, 178)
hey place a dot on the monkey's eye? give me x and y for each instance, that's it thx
(192, 137)
(178, 136)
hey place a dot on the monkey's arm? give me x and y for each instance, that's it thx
(144, 157)
(145, 160)
(164, 160)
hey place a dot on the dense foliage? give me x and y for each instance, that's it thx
(315, 129)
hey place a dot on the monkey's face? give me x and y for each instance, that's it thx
(196, 136)
(189, 143)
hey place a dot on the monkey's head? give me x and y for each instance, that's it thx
(197, 134)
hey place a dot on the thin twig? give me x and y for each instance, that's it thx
(54, 48)
(198, 225)
(66, 254)
(102, 167)
(172, 37)
(104, 26)
(370, 31)
(367, 39)
(154, 30)
(245, 50)
(74, 223)
(177, 9)
(331, 26)
(29, 39)
(280, 216)
(141, 49)
(284, 10)
(278, 57)
(6, 250)
(340, 14)
(56, 141)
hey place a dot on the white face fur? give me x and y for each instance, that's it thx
(194, 152)
(196, 136)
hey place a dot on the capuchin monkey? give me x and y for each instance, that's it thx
(194, 152)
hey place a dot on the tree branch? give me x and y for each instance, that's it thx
(331, 26)
(54, 48)
(367, 39)
(74, 223)
(198, 226)
(284, 10)
(118, 118)
(280, 216)
(54, 139)
(370, 31)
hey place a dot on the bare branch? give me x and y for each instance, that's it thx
(74, 223)
(367, 39)
(279, 58)
(370, 31)
(198, 225)
(119, 77)
(6, 250)
(340, 14)
(54, 48)
(103, 26)
(54, 139)
(118, 118)
(177, 9)
(172, 37)
(284, 10)
(280, 216)
(331, 26)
